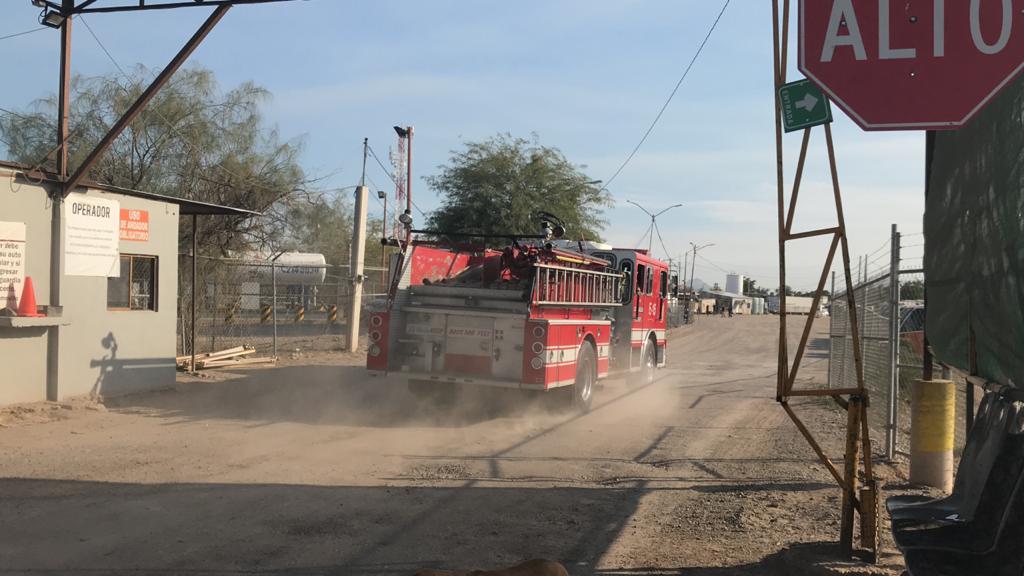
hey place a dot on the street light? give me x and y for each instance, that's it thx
(51, 18)
(384, 239)
(693, 266)
(654, 221)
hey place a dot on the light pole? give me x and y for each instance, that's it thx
(654, 222)
(384, 240)
(693, 264)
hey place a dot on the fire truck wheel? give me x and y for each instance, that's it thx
(648, 365)
(586, 376)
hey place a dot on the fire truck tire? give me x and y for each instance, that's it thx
(648, 364)
(586, 378)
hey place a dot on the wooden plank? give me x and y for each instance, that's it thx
(779, 41)
(801, 162)
(814, 445)
(226, 352)
(239, 362)
(813, 312)
(813, 233)
(823, 392)
(849, 503)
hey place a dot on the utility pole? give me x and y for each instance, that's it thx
(366, 148)
(384, 240)
(356, 268)
(693, 262)
(654, 224)
(57, 203)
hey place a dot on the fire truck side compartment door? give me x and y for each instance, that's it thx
(509, 336)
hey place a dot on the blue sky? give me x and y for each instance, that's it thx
(587, 76)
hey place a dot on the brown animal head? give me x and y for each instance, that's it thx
(531, 568)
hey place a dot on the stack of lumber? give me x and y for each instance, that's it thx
(238, 356)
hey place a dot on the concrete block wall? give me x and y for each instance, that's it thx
(102, 351)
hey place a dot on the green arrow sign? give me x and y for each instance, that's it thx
(803, 106)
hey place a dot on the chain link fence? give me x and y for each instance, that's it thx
(271, 306)
(889, 299)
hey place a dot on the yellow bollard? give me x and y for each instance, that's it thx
(933, 422)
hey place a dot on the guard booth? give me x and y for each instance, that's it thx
(114, 332)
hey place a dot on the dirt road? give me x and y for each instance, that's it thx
(320, 469)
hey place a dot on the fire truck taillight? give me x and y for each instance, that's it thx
(374, 350)
(376, 321)
(537, 363)
(375, 336)
(538, 348)
(538, 331)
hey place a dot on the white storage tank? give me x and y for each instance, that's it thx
(734, 283)
(293, 269)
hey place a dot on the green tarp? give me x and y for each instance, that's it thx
(974, 241)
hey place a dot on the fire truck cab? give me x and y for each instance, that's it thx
(558, 316)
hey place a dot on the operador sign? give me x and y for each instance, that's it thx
(97, 211)
(911, 64)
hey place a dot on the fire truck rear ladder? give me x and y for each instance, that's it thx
(561, 286)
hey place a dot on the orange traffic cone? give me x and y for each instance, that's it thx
(27, 305)
(12, 298)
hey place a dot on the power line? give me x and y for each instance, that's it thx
(23, 33)
(641, 240)
(381, 164)
(22, 116)
(670, 97)
(170, 125)
(716, 266)
(392, 177)
(662, 240)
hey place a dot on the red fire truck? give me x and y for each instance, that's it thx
(548, 316)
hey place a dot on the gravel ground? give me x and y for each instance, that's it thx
(313, 467)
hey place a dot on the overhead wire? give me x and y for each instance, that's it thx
(392, 177)
(671, 96)
(13, 113)
(662, 240)
(716, 266)
(15, 35)
(169, 124)
(646, 232)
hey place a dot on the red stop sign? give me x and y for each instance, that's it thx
(911, 64)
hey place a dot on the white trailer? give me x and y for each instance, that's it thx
(794, 305)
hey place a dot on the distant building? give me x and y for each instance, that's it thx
(738, 303)
(797, 305)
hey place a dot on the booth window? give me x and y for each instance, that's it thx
(136, 288)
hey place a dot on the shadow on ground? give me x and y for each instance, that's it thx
(75, 527)
(227, 529)
(806, 559)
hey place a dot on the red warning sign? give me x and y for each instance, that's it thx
(134, 225)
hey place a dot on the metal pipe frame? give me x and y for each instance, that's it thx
(858, 444)
(136, 108)
(142, 5)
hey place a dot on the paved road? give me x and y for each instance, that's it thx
(319, 469)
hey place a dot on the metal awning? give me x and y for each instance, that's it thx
(186, 207)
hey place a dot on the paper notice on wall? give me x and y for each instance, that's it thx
(12, 262)
(91, 233)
